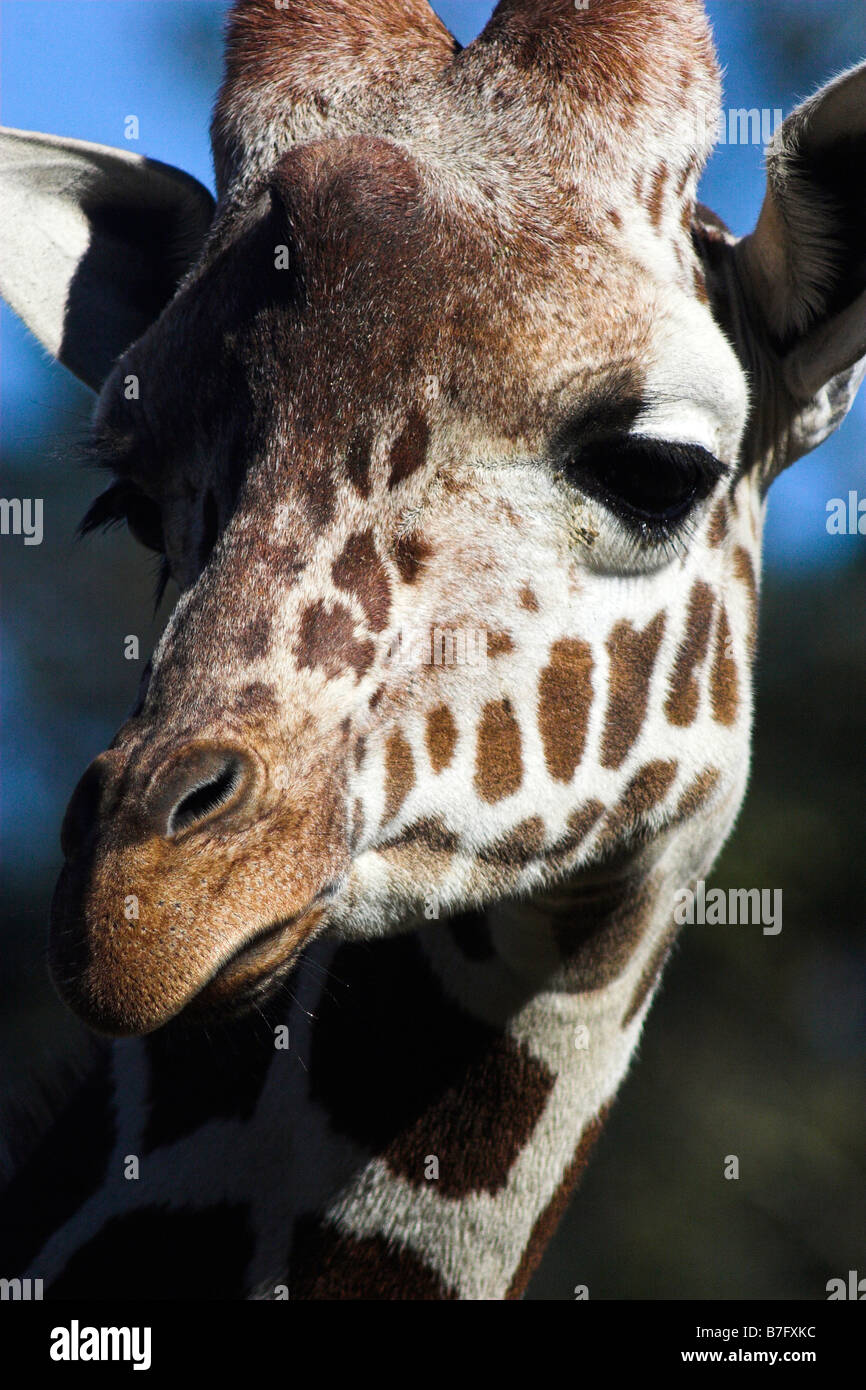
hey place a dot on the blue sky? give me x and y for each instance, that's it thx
(79, 67)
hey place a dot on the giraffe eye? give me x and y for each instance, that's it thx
(652, 485)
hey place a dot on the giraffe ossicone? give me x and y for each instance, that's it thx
(455, 350)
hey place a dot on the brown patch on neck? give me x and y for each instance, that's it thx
(632, 657)
(724, 684)
(717, 528)
(519, 846)
(645, 791)
(329, 1265)
(431, 832)
(697, 793)
(681, 705)
(441, 737)
(409, 1072)
(564, 702)
(579, 823)
(399, 773)
(498, 761)
(745, 572)
(546, 1224)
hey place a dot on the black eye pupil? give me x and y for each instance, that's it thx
(661, 491)
(647, 482)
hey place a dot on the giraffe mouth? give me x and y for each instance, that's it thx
(258, 964)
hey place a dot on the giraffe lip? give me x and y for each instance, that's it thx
(257, 962)
(260, 948)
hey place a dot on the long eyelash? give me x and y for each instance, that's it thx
(106, 511)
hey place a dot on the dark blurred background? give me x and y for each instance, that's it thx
(755, 1045)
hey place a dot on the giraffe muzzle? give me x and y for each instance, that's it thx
(190, 884)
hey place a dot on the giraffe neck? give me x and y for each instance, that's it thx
(437, 1099)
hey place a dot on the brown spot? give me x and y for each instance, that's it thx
(441, 737)
(498, 762)
(528, 600)
(681, 705)
(745, 572)
(399, 773)
(408, 1072)
(328, 1265)
(359, 571)
(358, 462)
(632, 657)
(614, 218)
(564, 701)
(464, 1127)
(410, 554)
(547, 1222)
(650, 975)
(360, 751)
(431, 832)
(254, 641)
(697, 793)
(409, 451)
(644, 792)
(327, 641)
(256, 699)
(519, 846)
(579, 824)
(724, 685)
(499, 644)
(717, 529)
(656, 198)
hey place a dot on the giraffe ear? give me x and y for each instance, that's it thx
(796, 287)
(93, 243)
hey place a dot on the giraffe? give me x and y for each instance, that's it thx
(374, 930)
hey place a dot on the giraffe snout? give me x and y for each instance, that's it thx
(192, 878)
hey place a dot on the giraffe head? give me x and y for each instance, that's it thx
(454, 421)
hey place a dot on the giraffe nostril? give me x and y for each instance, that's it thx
(204, 783)
(204, 799)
